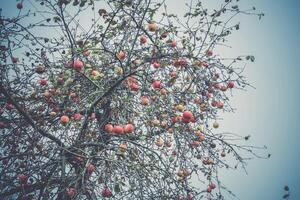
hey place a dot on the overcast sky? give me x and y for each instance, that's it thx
(271, 112)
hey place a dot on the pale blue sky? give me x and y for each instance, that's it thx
(270, 113)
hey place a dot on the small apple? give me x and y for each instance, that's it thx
(187, 115)
(145, 101)
(77, 116)
(156, 84)
(122, 147)
(106, 192)
(230, 85)
(121, 55)
(134, 87)
(209, 52)
(40, 69)
(128, 128)
(152, 27)
(156, 65)
(173, 43)
(109, 128)
(71, 192)
(212, 185)
(91, 168)
(43, 82)
(118, 129)
(23, 178)
(78, 65)
(143, 39)
(64, 119)
(19, 6)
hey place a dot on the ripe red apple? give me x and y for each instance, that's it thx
(78, 65)
(128, 128)
(9, 106)
(230, 85)
(91, 168)
(95, 73)
(209, 52)
(202, 137)
(118, 130)
(23, 178)
(143, 39)
(134, 87)
(14, 60)
(121, 55)
(156, 84)
(212, 186)
(71, 192)
(43, 82)
(174, 119)
(106, 192)
(2, 125)
(173, 43)
(223, 88)
(19, 6)
(77, 116)
(187, 115)
(156, 65)
(64, 119)
(214, 103)
(220, 104)
(209, 190)
(109, 128)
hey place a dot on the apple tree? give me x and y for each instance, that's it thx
(118, 99)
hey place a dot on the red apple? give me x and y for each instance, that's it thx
(223, 88)
(134, 87)
(71, 192)
(121, 55)
(209, 52)
(19, 6)
(173, 43)
(14, 60)
(187, 115)
(143, 39)
(9, 106)
(23, 178)
(230, 85)
(156, 65)
(78, 65)
(220, 104)
(209, 190)
(156, 84)
(64, 119)
(43, 82)
(91, 168)
(212, 186)
(77, 116)
(106, 192)
(118, 130)
(109, 128)
(128, 128)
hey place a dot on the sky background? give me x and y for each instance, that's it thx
(271, 112)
